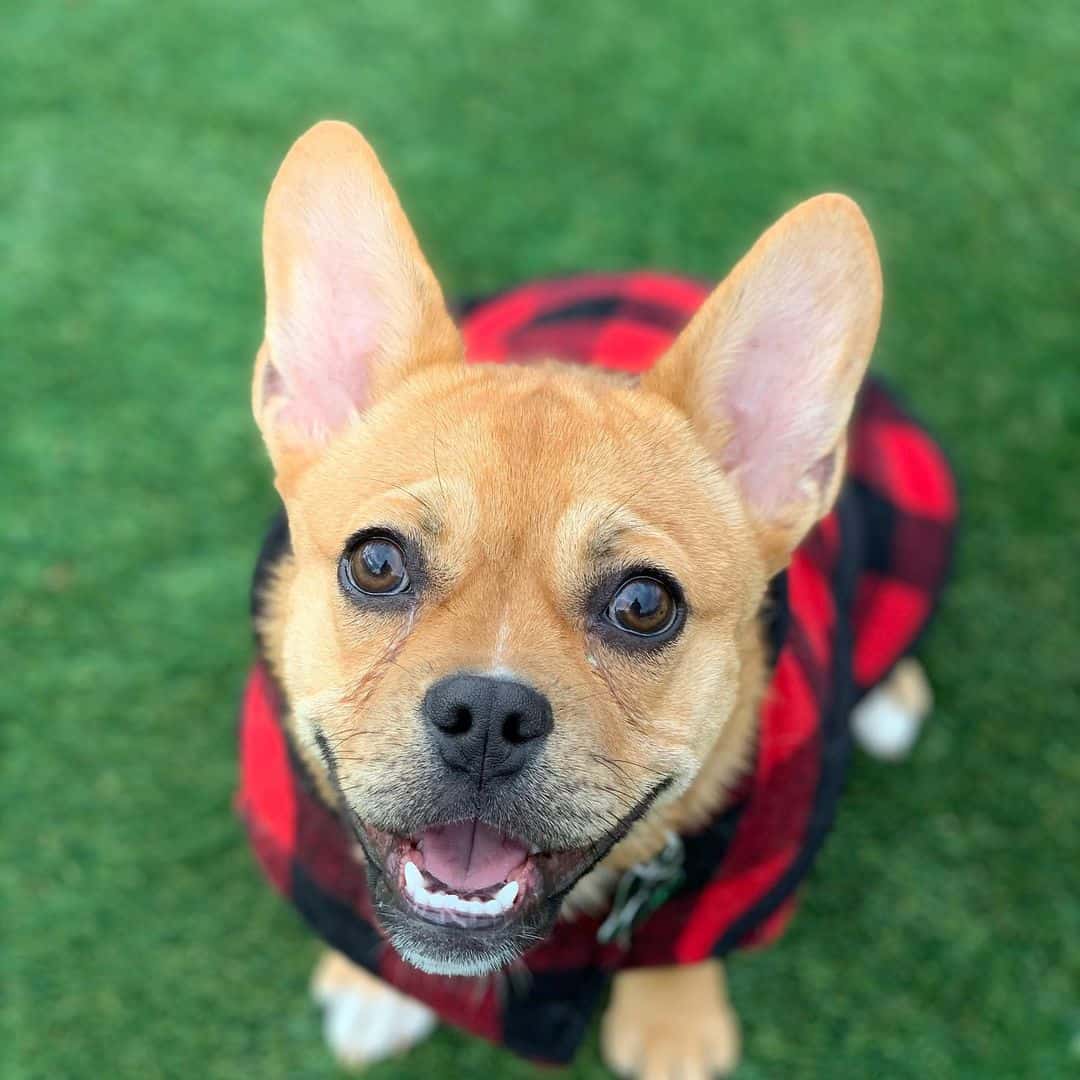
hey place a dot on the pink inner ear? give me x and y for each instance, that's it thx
(777, 396)
(323, 340)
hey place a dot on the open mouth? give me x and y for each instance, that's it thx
(469, 875)
(465, 898)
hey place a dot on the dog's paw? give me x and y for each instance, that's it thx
(887, 722)
(658, 1029)
(364, 1020)
(662, 1046)
(884, 728)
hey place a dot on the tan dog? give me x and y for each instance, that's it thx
(503, 579)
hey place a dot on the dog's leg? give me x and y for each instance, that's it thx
(364, 1020)
(671, 1022)
(887, 721)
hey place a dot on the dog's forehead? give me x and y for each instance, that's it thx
(520, 457)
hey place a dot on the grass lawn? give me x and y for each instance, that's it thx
(941, 934)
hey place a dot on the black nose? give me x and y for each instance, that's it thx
(488, 728)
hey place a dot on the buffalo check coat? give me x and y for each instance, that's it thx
(858, 594)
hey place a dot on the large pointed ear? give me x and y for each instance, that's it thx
(352, 307)
(768, 369)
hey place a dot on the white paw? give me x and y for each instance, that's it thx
(362, 1028)
(883, 727)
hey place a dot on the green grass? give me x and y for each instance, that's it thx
(941, 934)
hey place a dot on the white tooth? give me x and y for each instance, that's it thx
(413, 881)
(448, 901)
(506, 895)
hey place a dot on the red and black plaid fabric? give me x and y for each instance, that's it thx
(855, 598)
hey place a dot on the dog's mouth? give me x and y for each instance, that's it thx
(469, 875)
(462, 897)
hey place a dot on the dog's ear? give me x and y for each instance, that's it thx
(768, 369)
(352, 307)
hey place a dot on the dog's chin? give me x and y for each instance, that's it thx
(481, 919)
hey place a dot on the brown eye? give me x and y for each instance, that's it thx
(642, 606)
(377, 566)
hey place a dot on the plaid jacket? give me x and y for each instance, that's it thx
(857, 595)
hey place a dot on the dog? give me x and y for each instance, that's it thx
(553, 687)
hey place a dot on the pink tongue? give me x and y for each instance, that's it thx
(470, 855)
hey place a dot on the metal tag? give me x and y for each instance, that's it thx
(641, 890)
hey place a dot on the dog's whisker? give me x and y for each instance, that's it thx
(617, 763)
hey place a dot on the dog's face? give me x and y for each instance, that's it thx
(520, 596)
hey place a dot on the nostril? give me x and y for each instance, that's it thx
(461, 720)
(512, 729)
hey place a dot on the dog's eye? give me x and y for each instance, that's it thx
(643, 606)
(377, 567)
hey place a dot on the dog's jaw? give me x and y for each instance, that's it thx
(445, 948)
(468, 946)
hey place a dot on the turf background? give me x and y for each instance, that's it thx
(941, 934)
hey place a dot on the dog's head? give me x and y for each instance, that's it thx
(520, 596)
